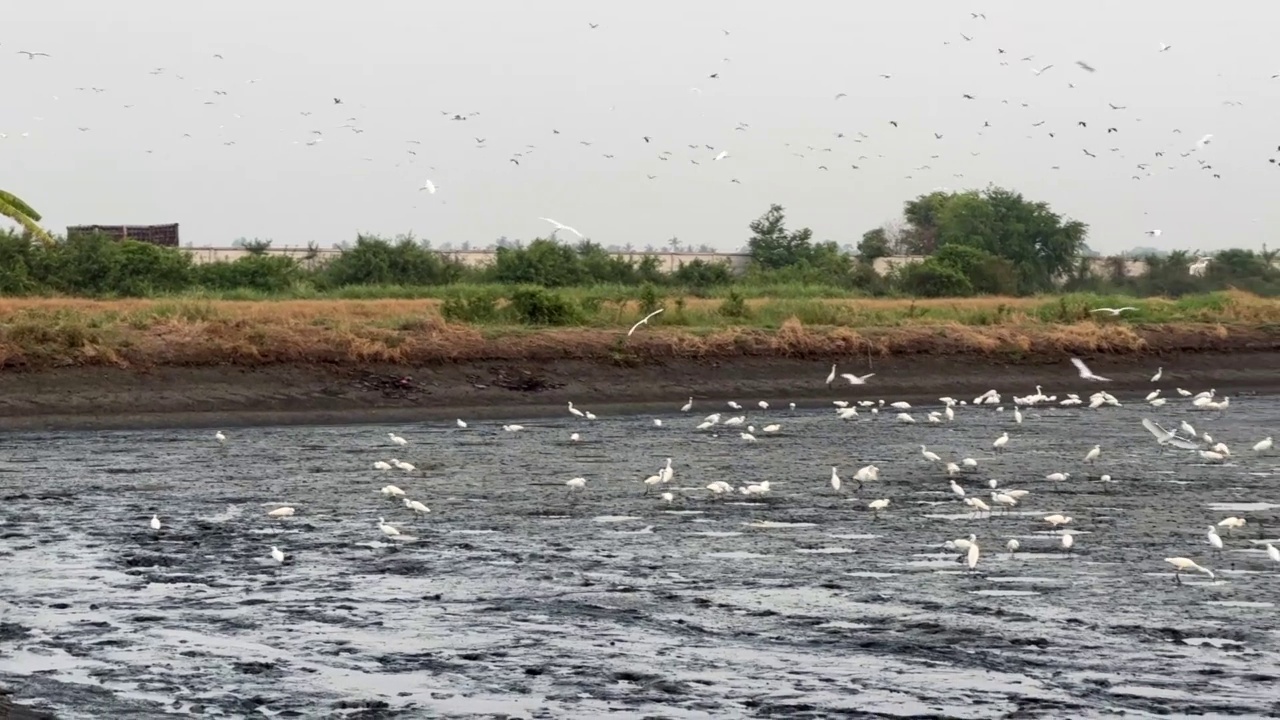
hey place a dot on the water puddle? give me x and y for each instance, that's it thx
(718, 533)
(824, 551)
(775, 524)
(1004, 593)
(735, 555)
(1253, 507)
(1241, 604)
(615, 518)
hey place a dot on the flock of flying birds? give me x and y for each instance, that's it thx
(1183, 437)
(1094, 135)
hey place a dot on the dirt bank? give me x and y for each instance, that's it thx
(223, 396)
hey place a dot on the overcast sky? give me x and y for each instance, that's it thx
(526, 69)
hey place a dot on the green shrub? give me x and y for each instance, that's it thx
(535, 306)
(470, 307)
(734, 306)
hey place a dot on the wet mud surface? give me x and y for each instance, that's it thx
(515, 597)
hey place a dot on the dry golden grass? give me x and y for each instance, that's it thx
(37, 333)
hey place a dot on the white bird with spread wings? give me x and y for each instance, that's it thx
(1086, 373)
(856, 379)
(560, 226)
(429, 186)
(644, 321)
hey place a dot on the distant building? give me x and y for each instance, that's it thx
(163, 235)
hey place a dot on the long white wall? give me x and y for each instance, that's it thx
(667, 261)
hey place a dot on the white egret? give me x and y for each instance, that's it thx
(1085, 372)
(382, 465)
(929, 454)
(1093, 454)
(391, 491)
(973, 555)
(1057, 477)
(574, 437)
(1001, 442)
(460, 423)
(512, 428)
(429, 186)
(1273, 552)
(1058, 519)
(574, 411)
(859, 379)
(220, 437)
(644, 321)
(762, 405)
(576, 483)
(277, 554)
(283, 512)
(773, 428)
(388, 530)
(832, 375)
(1012, 546)
(835, 480)
(1263, 445)
(687, 406)
(1180, 564)
(1214, 539)
(155, 522)
(1156, 377)
(1067, 542)
(956, 489)
(1113, 312)
(417, 507)
(560, 226)
(657, 422)
(877, 505)
(668, 497)
(397, 439)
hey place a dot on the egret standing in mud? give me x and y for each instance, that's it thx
(877, 505)
(155, 523)
(397, 439)
(687, 406)
(1180, 564)
(974, 554)
(277, 555)
(220, 437)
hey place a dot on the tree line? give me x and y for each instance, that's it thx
(988, 242)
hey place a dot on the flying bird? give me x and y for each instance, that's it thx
(32, 55)
(856, 379)
(1154, 233)
(429, 186)
(1086, 66)
(1086, 373)
(1164, 47)
(1115, 311)
(1041, 70)
(560, 227)
(644, 321)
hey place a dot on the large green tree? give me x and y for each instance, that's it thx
(773, 247)
(1040, 244)
(12, 207)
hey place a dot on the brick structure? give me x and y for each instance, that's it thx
(163, 235)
